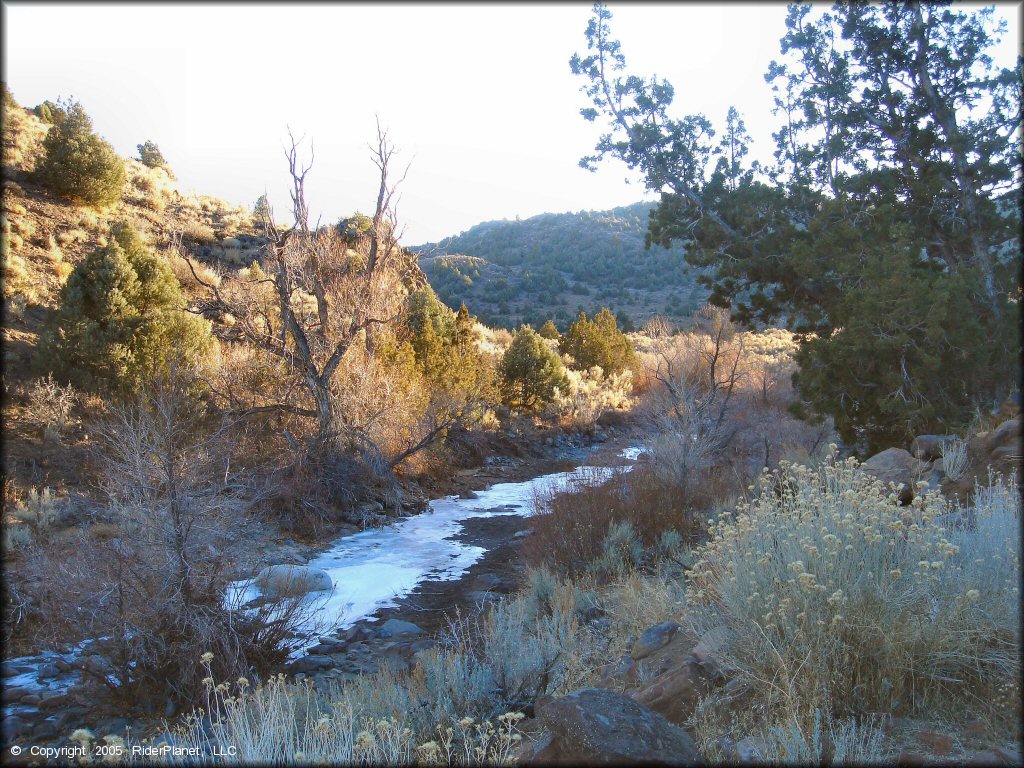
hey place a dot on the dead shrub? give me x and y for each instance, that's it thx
(572, 522)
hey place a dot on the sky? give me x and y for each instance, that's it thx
(478, 99)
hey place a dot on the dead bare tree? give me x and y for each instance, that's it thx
(316, 299)
(698, 377)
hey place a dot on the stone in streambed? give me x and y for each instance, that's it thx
(292, 580)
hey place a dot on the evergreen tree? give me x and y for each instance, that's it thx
(530, 371)
(120, 318)
(151, 156)
(78, 164)
(885, 207)
(549, 330)
(597, 342)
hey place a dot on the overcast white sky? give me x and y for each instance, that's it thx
(478, 97)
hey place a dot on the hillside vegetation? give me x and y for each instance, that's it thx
(556, 264)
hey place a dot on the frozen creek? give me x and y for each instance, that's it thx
(374, 569)
(370, 571)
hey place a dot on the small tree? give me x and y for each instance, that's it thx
(152, 157)
(49, 112)
(78, 164)
(120, 317)
(598, 342)
(549, 330)
(530, 371)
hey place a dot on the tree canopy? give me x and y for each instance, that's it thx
(886, 206)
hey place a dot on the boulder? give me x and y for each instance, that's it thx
(310, 664)
(675, 693)
(292, 580)
(895, 465)
(930, 447)
(395, 627)
(598, 726)
(654, 638)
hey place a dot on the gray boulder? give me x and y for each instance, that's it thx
(395, 627)
(292, 580)
(895, 465)
(593, 725)
(654, 638)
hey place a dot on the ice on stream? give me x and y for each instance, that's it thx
(374, 569)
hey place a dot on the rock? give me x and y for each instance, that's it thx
(13, 727)
(909, 757)
(63, 665)
(938, 743)
(894, 465)
(97, 665)
(619, 673)
(327, 645)
(711, 643)
(601, 437)
(309, 664)
(1009, 755)
(16, 693)
(523, 533)
(975, 729)
(654, 638)
(598, 726)
(1006, 435)
(543, 751)
(468, 494)
(395, 627)
(675, 693)
(49, 670)
(930, 447)
(291, 580)
(31, 699)
(1011, 406)
(753, 749)
(486, 581)
(612, 419)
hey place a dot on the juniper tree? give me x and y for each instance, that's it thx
(887, 205)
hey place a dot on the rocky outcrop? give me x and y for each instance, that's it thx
(895, 465)
(593, 725)
(291, 580)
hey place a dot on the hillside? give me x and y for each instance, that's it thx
(554, 264)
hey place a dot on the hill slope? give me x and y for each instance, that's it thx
(551, 265)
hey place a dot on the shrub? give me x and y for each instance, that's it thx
(78, 164)
(530, 371)
(572, 520)
(598, 342)
(825, 564)
(49, 405)
(120, 317)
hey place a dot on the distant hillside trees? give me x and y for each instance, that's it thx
(519, 271)
(598, 342)
(120, 318)
(530, 371)
(78, 164)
